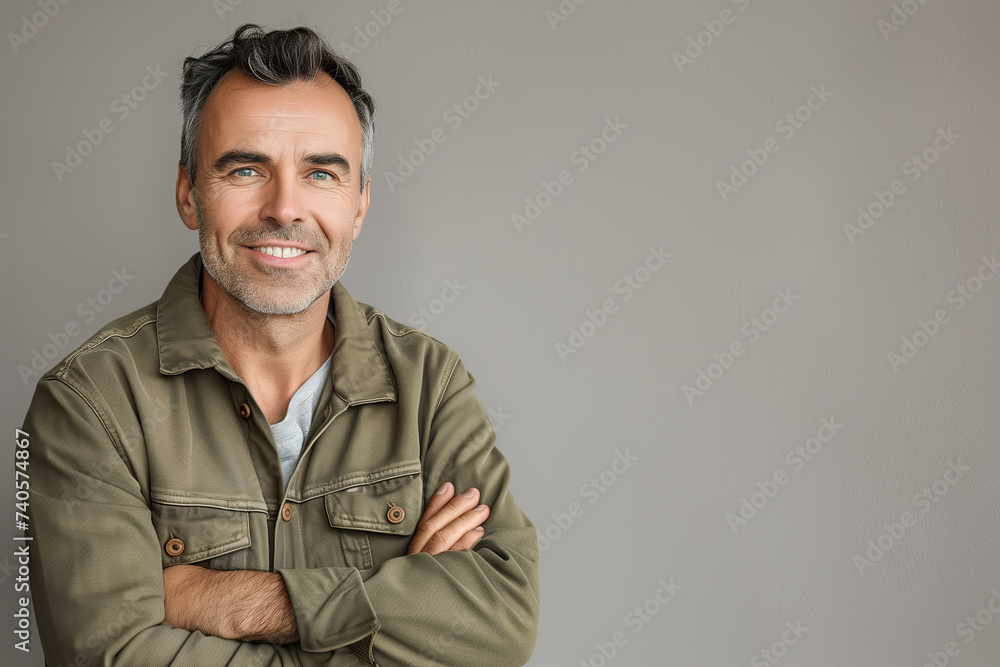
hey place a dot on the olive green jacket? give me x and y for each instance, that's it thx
(147, 450)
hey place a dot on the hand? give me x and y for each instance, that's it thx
(450, 522)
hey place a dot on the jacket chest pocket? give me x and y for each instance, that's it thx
(376, 520)
(191, 532)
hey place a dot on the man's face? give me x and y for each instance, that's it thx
(277, 202)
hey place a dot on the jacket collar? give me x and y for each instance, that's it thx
(186, 341)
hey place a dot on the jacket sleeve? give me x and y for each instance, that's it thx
(96, 571)
(474, 607)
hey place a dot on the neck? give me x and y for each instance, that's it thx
(273, 354)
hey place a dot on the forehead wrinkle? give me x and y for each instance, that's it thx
(300, 123)
(305, 100)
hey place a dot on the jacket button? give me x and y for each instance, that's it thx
(245, 411)
(395, 514)
(174, 547)
(286, 512)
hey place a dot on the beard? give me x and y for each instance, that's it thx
(279, 291)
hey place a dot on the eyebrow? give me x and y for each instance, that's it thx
(237, 157)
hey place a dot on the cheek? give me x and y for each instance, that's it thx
(335, 212)
(226, 210)
(336, 231)
(336, 202)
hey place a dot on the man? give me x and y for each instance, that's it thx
(256, 469)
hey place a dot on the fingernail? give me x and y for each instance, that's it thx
(441, 489)
(470, 493)
(481, 508)
(479, 529)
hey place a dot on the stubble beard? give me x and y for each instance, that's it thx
(263, 299)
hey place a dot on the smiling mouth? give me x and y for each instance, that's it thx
(279, 251)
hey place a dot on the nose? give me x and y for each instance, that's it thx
(282, 200)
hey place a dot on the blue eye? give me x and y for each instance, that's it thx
(245, 172)
(321, 176)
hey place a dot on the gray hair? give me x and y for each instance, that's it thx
(275, 57)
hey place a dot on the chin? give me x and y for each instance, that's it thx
(279, 308)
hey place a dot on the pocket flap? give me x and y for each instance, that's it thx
(191, 533)
(392, 506)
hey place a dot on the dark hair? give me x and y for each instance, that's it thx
(275, 57)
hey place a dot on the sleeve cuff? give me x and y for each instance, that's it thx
(331, 608)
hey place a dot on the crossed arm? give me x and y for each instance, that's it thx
(101, 593)
(250, 605)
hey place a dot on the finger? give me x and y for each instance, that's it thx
(469, 540)
(440, 498)
(431, 524)
(449, 535)
(444, 493)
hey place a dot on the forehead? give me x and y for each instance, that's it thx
(244, 113)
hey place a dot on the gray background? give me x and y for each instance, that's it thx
(563, 419)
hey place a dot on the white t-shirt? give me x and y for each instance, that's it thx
(290, 433)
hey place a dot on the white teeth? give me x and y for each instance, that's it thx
(276, 251)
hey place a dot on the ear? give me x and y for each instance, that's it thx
(363, 202)
(185, 198)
